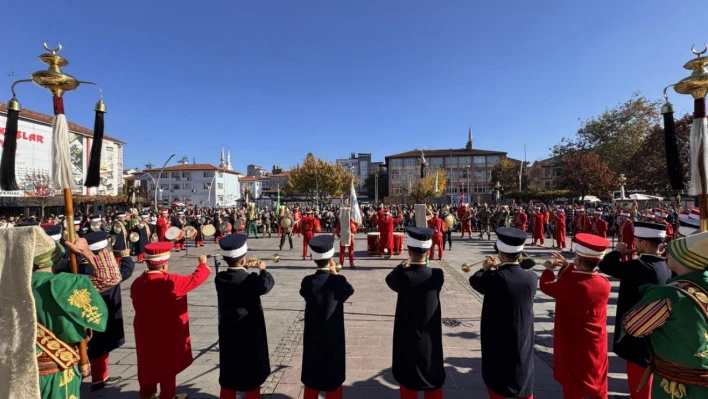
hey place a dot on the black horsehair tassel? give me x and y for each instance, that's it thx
(673, 158)
(93, 175)
(9, 147)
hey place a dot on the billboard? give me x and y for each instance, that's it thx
(33, 156)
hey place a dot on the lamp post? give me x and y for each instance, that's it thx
(622, 179)
(209, 186)
(497, 187)
(159, 176)
(469, 193)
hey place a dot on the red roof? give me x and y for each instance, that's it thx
(196, 166)
(250, 178)
(47, 119)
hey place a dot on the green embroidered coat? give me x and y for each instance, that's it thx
(679, 332)
(67, 304)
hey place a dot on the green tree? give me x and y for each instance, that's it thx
(651, 156)
(424, 189)
(616, 134)
(318, 179)
(506, 173)
(584, 172)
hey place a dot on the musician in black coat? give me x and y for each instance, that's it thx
(243, 352)
(197, 224)
(323, 356)
(144, 233)
(120, 233)
(648, 268)
(417, 328)
(507, 318)
(179, 222)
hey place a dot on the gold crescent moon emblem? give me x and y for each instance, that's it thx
(693, 50)
(54, 51)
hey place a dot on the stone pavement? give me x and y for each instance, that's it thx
(369, 325)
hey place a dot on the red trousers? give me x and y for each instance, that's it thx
(179, 245)
(218, 236)
(386, 244)
(229, 394)
(168, 388)
(313, 394)
(571, 394)
(634, 376)
(141, 257)
(342, 250)
(306, 236)
(493, 395)
(410, 394)
(99, 369)
(538, 235)
(466, 226)
(437, 240)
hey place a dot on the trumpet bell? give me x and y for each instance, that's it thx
(275, 258)
(466, 267)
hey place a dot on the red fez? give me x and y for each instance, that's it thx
(157, 253)
(590, 246)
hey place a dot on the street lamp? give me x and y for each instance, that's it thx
(209, 188)
(158, 179)
(469, 193)
(497, 186)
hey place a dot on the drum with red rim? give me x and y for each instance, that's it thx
(397, 243)
(174, 234)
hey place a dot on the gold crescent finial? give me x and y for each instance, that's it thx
(54, 51)
(693, 50)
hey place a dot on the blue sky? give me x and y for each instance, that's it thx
(274, 80)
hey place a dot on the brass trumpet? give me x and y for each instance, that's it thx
(275, 258)
(466, 267)
(252, 262)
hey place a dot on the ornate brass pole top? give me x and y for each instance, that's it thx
(53, 78)
(697, 83)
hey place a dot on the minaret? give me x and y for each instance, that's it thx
(221, 161)
(228, 160)
(469, 139)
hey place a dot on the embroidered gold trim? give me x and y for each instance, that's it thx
(677, 391)
(82, 299)
(695, 292)
(59, 351)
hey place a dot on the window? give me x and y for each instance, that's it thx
(480, 174)
(436, 161)
(154, 175)
(207, 186)
(451, 161)
(220, 186)
(479, 160)
(547, 185)
(164, 186)
(187, 186)
(175, 174)
(557, 172)
(453, 175)
(463, 161)
(452, 190)
(175, 187)
(220, 198)
(397, 162)
(186, 174)
(480, 188)
(164, 175)
(187, 198)
(221, 174)
(547, 171)
(395, 176)
(493, 159)
(408, 162)
(209, 174)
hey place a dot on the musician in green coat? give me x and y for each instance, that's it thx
(675, 318)
(67, 305)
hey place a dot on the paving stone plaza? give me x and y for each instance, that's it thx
(369, 325)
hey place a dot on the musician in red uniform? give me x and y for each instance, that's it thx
(161, 324)
(580, 332)
(660, 216)
(559, 228)
(343, 246)
(297, 220)
(625, 232)
(581, 221)
(598, 226)
(465, 217)
(538, 219)
(439, 227)
(310, 226)
(163, 223)
(385, 225)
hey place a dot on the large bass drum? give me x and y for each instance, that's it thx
(174, 233)
(208, 230)
(286, 222)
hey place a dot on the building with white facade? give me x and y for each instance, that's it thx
(34, 155)
(359, 164)
(254, 185)
(256, 171)
(196, 184)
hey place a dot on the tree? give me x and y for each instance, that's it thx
(651, 157)
(317, 178)
(370, 185)
(426, 189)
(584, 172)
(506, 173)
(38, 191)
(616, 134)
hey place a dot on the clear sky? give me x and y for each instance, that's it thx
(274, 80)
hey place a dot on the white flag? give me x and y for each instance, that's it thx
(436, 182)
(356, 212)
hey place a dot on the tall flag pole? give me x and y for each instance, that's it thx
(354, 204)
